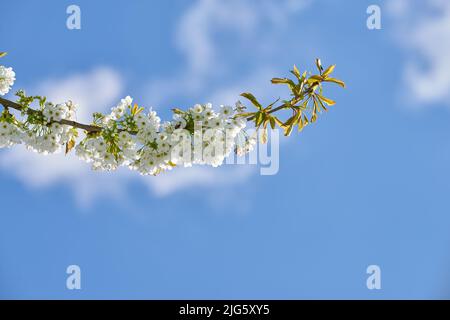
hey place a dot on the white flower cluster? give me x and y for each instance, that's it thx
(197, 136)
(209, 142)
(46, 138)
(120, 110)
(9, 135)
(51, 137)
(112, 147)
(7, 78)
(129, 137)
(100, 152)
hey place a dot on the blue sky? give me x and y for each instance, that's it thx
(366, 185)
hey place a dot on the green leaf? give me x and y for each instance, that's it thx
(2, 54)
(296, 72)
(304, 74)
(177, 111)
(322, 105)
(252, 99)
(280, 80)
(283, 81)
(170, 163)
(245, 115)
(289, 82)
(301, 125)
(316, 106)
(290, 121)
(305, 119)
(319, 65)
(288, 130)
(272, 122)
(327, 101)
(70, 145)
(316, 78)
(328, 71)
(259, 119)
(339, 82)
(136, 109)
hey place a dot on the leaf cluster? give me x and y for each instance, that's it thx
(306, 101)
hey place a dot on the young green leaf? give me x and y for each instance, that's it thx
(259, 119)
(339, 82)
(272, 122)
(177, 111)
(301, 125)
(252, 99)
(288, 130)
(70, 145)
(296, 72)
(305, 119)
(287, 81)
(328, 71)
(245, 115)
(315, 78)
(322, 105)
(327, 100)
(280, 80)
(319, 65)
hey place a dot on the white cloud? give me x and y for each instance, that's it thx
(423, 30)
(251, 25)
(97, 90)
(204, 177)
(37, 171)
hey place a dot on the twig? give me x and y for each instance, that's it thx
(89, 128)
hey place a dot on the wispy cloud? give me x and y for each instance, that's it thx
(37, 171)
(253, 26)
(422, 28)
(96, 90)
(198, 177)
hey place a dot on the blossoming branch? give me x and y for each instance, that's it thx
(133, 137)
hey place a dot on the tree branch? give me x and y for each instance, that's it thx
(92, 128)
(89, 128)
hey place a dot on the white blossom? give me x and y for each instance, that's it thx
(119, 111)
(172, 145)
(52, 136)
(132, 138)
(9, 135)
(7, 78)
